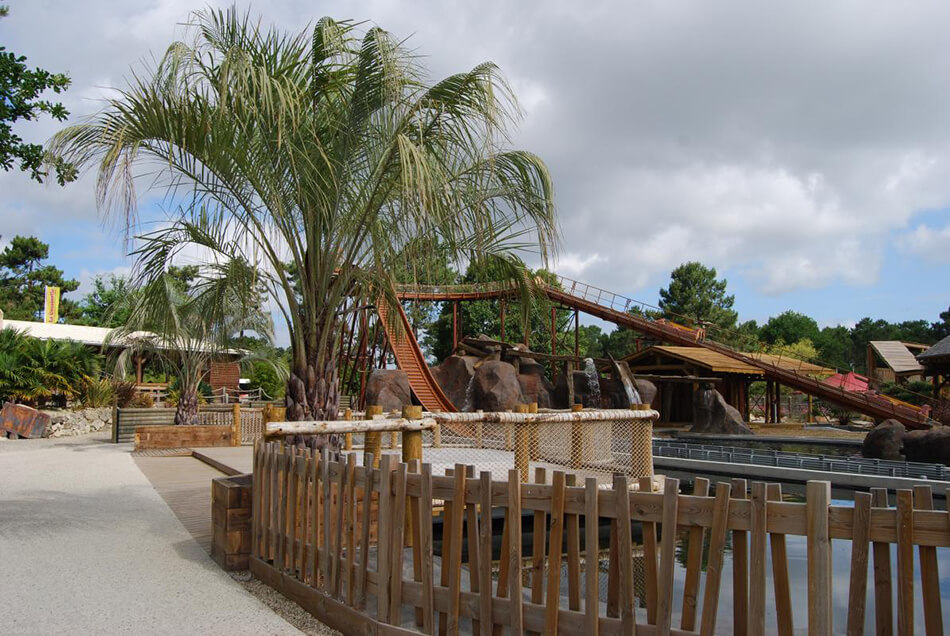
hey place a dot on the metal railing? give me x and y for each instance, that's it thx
(802, 461)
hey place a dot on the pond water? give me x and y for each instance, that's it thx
(798, 573)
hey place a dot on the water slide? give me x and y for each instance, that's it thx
(409, 358)
(614, 308)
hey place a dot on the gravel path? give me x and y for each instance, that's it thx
(88, 547)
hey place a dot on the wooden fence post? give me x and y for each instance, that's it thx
(818, 497)
(535, 450)
(411, 440)
(236, 425)
(372, 444)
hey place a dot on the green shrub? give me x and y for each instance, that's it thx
(97, 393)
(917, 392)
(124, 392)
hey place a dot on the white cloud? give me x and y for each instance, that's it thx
(932, 244)
(787, 143)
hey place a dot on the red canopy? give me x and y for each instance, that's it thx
(850, 381)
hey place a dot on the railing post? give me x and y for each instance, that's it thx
(236, 425)
(411, 440)
(577, 439)
(348, 437)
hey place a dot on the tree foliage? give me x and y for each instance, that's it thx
(324, 149)
(110, 302)
(21, 89)
(24, 277)
(37, 371)
(788, 327)
(695, 296)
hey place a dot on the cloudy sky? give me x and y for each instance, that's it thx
(800, 148)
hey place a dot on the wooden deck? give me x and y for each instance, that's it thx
(185, 485)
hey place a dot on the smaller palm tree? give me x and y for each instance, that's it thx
(185, 330)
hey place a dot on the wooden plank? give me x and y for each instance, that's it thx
(883, 611)
(455, 551)
(504, 564)
(303, 513)
(327, 518)
(351, 499)
(398, 530)
(717, 547)
(485, 555)
(384, 539)
(425, 539)
(516, 620)
(554, 558)
(785, 623)
(694, 563)
(905, 562)
(573, 528)
(628, 617)
(537, 546)
(315, 471)
(292, 492)
(757, 561)
(857, 591)
(281, 557)
(664, 603)
(929, 572)
(447, 517)
(818, 498)
(415, 537)
(258, 499)
(472, 539)
(336, 548)
(366, 521)
(649, 557)
(613, 571)
(591, 559)
(740, 568)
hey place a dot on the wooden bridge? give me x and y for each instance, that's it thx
(615, 308)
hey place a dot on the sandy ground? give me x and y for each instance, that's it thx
(88, 547)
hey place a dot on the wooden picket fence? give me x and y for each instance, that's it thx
(354, 546)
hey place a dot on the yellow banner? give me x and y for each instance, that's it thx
(51, 311)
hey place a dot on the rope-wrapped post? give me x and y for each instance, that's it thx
(535, 445)
(577, 439)
(522, 445)
(373, 441)
(641, 445)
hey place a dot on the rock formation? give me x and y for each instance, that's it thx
(496, 387)
(712, 415)
(389, 388)
(928, 446)
(884, 441)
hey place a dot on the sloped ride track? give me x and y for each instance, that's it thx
(614, 308)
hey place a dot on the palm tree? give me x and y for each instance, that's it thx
(185, 330)
(317, 160)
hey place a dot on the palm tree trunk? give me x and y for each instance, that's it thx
(187, 412)
(313, 393)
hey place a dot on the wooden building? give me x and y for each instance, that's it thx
(936, 363)
(674, 399)
(894, 361)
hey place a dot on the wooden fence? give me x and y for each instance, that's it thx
(314, 523)
(251, 420)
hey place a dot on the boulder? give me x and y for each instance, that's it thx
(884, 441)
(389, 388)
(928, 446)
(646, 389)
(712, 415)
(535, 386)
(455, 376)
(496, 387)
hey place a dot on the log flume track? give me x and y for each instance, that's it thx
(614, 308)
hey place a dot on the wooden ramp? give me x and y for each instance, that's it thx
(185, 485)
